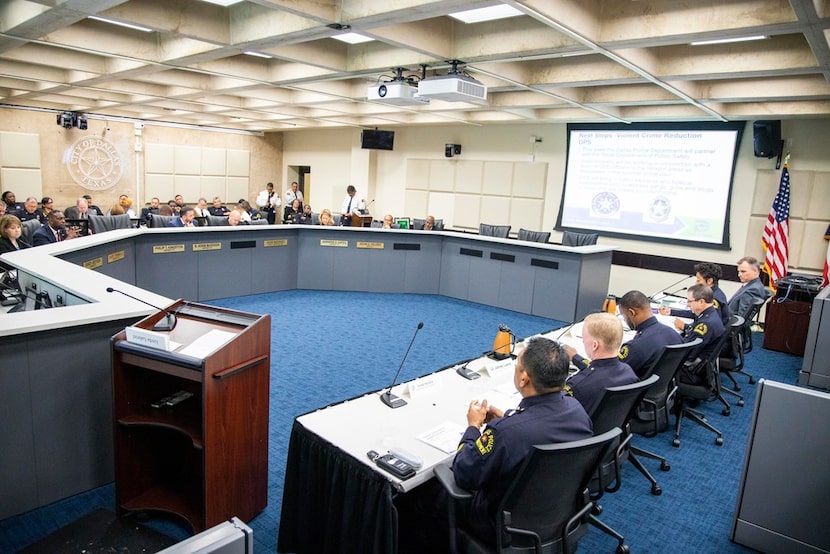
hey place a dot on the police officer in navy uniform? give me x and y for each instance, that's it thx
(707, 326)
(485, 462)
(652, 336)
(601, 336)
(707, 274)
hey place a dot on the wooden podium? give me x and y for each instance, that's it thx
(361, 220)
(205, 458)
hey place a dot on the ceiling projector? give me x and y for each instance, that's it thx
(453, 87)
(399, 93)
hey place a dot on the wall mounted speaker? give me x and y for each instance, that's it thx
(451, 150)
(767, 138)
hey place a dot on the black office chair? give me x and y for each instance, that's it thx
(28, 229)
(417, 224)
(571, 238)
(751, 315)
(733, 356)
(533, 236)
(158, 221)
(216, 220)
(104, 223)
(487, 230)
(708, 387)
(547, 506)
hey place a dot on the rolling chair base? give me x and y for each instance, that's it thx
(698, 418)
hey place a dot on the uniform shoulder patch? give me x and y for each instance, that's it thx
(485, 442)
(623, 352)
(568, 390)
(701, 329)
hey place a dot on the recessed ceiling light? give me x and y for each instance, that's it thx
(726, 40)
(353, 38)
(225, 3)
(120, 24)
(501, 11)
(257, 54)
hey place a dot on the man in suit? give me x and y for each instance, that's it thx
(79, 211)
(152, 209)
(749, 271)
(708, 274)
(185, 218)
(55, 231)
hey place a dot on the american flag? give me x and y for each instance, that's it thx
(777, 230)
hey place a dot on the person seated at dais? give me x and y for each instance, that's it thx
(749, 273)
(707, 326)
(307, 217)
(185, 219)
(10, 230)
(387, 221)
(601, 336)
(29, 210)
(217, 208)
(652, 336)
(429, 223)
(326, 218)
(293, 212)
(708, 274)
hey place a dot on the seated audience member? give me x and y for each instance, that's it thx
(485, 462)
(79, 211)
(175, 209)
(429, 223)
(152, 209)
(306, 217)
(127, 204)
(326, 218)
(707, 326)
(235, 218)
(217, 208)
(601, 336)
(387, 221)
(10, 230)
(248, 211)
(185, 218)
(749, 273)
(116, 209)
(201, 208)
(179, 200)
(707, 274)
(29, 210)
(12, 206)
(94, 210)
(165, 209)
(46, 204)
(652, 336)
(54, 231)
(292, 213)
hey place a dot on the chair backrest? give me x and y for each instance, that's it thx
(104, 223)
(417, 224)
(548, 489)
(28, 230)
(745, 337)
(618, 404)
(337, 218)
(734, 326)
(315, 218)
(667, 366)
(216, 220)
(571, 238)
(160, 220)
(376, 225)
(533, 236)
(439, 225)
(487, 230)
(259, 222)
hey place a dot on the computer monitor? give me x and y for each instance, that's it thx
(402, 222)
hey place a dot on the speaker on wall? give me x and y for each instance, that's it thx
(767, 138)
(451, 150)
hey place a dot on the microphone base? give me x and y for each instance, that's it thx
(391, 400)
(500, 356)
(167, 323)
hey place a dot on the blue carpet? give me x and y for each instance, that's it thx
(329, 346)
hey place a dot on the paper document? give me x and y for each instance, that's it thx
(445, 437)
(207, 343)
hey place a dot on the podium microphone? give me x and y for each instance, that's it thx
(166, 324)
(387, 397)
(671, 286)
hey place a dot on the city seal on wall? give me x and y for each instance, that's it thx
(94, 163)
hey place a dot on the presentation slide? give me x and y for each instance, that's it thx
(661, 182)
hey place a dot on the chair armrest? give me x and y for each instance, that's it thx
(443, 473)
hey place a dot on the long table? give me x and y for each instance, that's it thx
(55, 382)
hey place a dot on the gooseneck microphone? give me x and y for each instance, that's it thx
(165, 324)
(663, 290)
(387, 397)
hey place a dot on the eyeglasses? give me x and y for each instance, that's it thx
(693, 300)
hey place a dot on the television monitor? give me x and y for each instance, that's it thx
(402, 222)
(377, 140)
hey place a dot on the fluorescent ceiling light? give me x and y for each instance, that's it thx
(726, 40)
(352, 38)
(501, 11)
(258, 54)
(120, 24)
(225, 3)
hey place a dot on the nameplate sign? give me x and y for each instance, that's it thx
(147, 338)
(422, 385)
(115, 257)
(168, 248)
(271, 243)
(94, 263)
(500, 367)
(202, 246)
(335, 243)
(372, 245)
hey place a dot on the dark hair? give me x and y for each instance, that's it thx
(709, 271)
(546, 362)
(634, 299)
(6, 193)
(45, 200)
(351, 188)
(186, 210)
(702, 292)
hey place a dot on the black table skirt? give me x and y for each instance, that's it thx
(332, 502)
